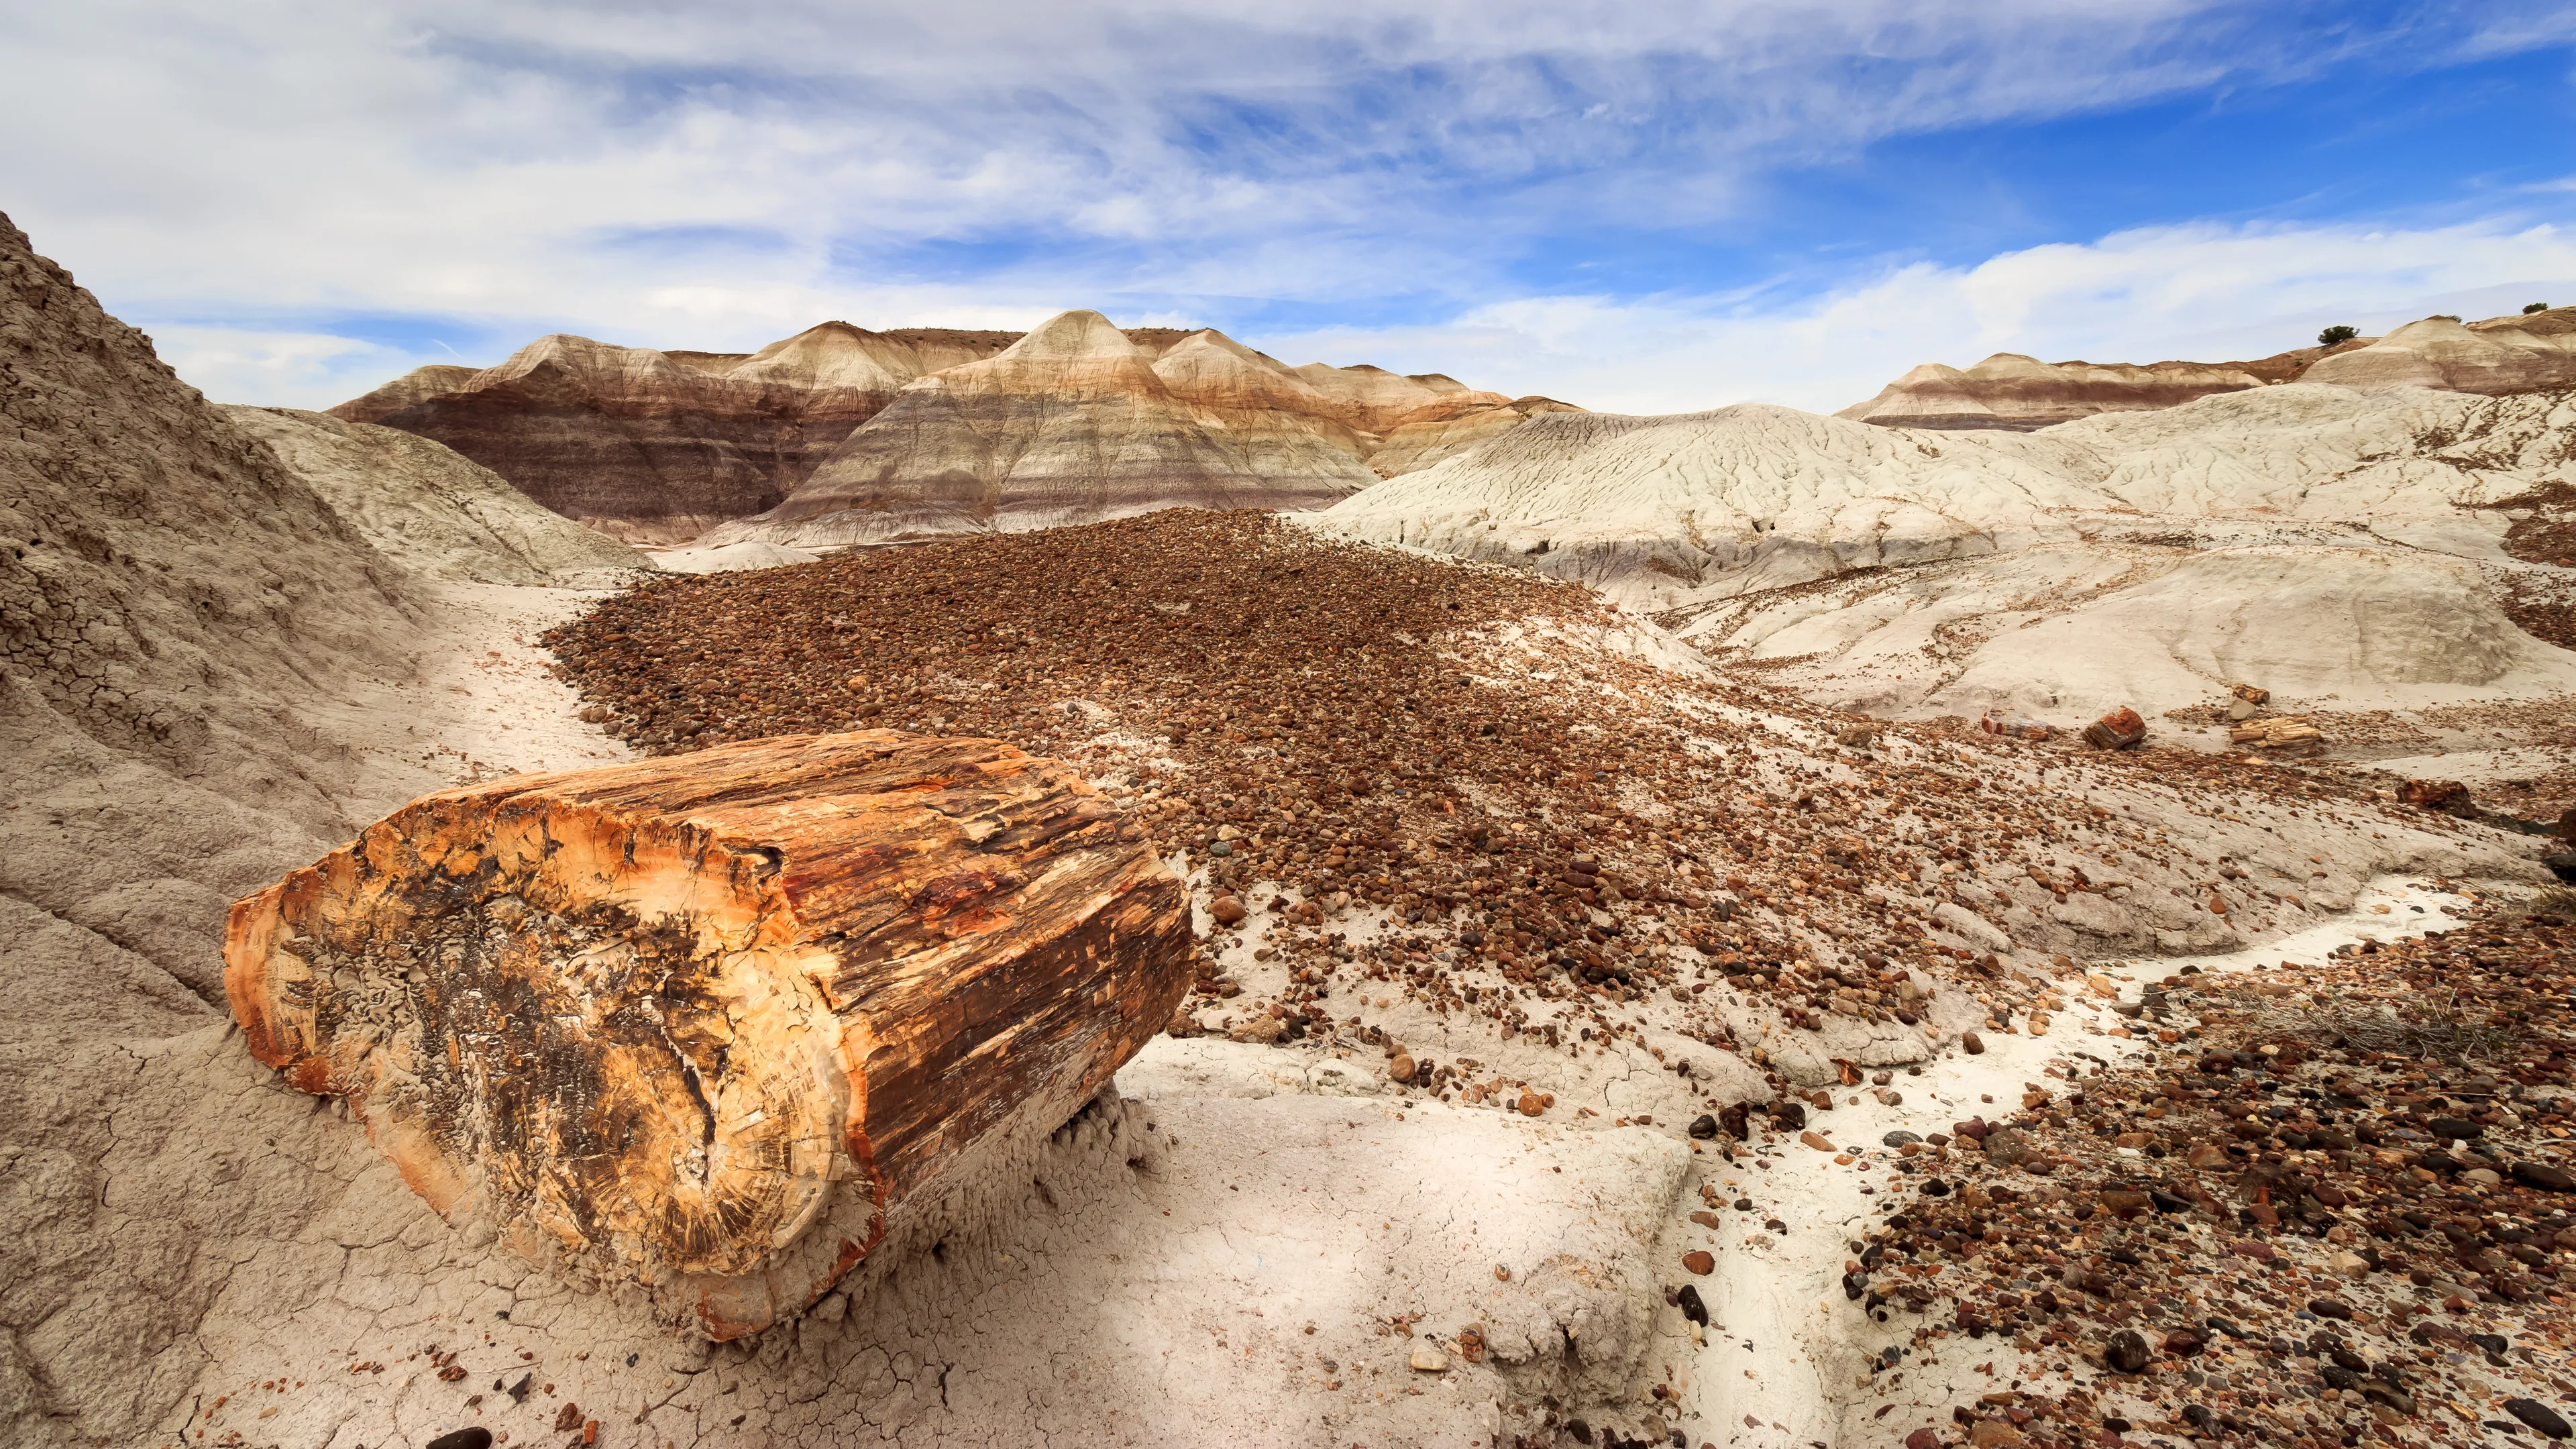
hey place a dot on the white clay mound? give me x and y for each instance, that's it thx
(2076, 557)
(2071, 631)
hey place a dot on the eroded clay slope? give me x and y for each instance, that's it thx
(430, 508)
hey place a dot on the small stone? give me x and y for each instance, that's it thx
(2539, 1416)
(1972, 1044)
(1400, 1069)
(2451, 1129)
(1705, 1128)
(1899, 1138)
(2350, 1265)
(1816, 1140)
(1429, 1360)
(1692, 1306)
(1699, 1261)
(2127, 1352)
(2335, 1309)
(473, 1437)
(1530, 1104)
(2544, 1177)
(1923, 1439)
(1996, 1434)
(1227, 911)
(1263, 1030)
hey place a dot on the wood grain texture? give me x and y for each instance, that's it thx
(673, 1015)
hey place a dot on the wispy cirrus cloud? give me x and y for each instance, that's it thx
(686, 174)
(2199, 292)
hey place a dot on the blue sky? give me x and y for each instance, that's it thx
(1648, 207)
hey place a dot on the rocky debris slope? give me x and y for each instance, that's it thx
(429, 508)
(660, 447)
(2333, 1206)
(1357, 727)
(2226, 540)
(1466, 837)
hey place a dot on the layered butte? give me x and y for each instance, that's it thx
(2015, 393)
(657, 447)
(841, 435)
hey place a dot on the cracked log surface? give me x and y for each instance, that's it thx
(709, 1021)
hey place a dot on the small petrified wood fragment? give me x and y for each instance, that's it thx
(710, 1021)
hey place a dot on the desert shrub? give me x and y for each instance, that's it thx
(2338, 333)
(2535, 307)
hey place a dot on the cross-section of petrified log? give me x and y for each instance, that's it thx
(711, 1021)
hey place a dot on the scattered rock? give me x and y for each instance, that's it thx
(2121, 729)
(2541, 1418)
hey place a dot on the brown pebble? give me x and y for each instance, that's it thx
(1699, 1261)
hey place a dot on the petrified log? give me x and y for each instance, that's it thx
(714, 1022)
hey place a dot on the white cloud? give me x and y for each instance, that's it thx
(690, 174)
(2204, 293)
(232, 364)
